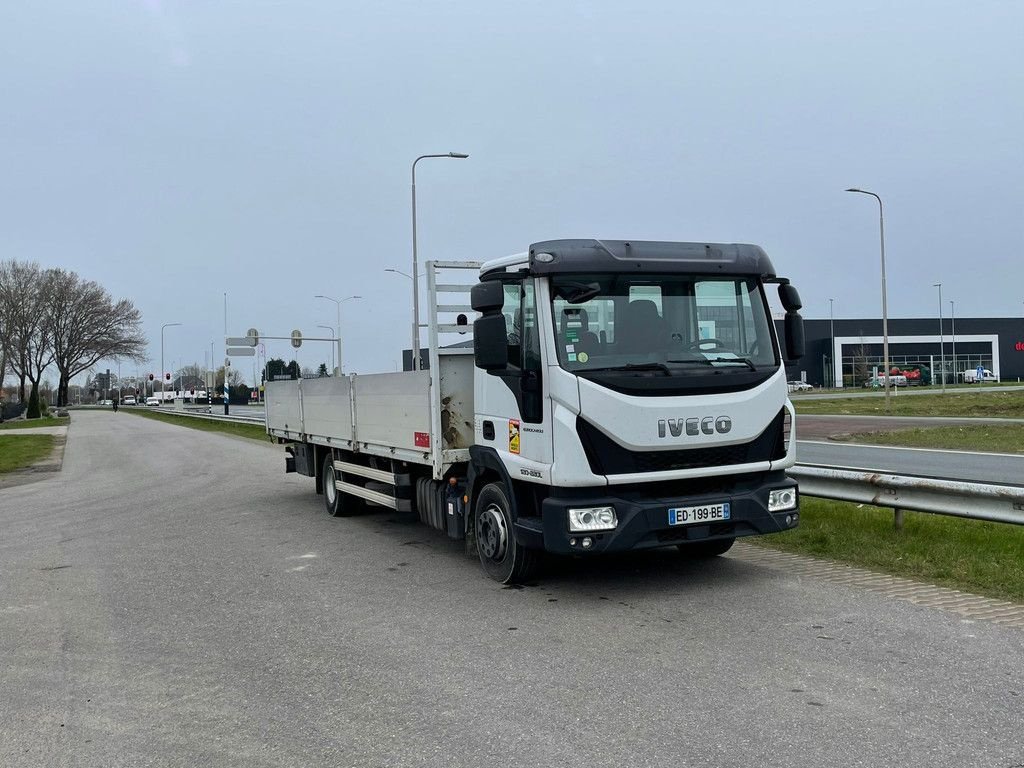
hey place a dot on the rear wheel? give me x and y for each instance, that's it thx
(338, 504)
(502, 557)
(712, 548)
(332, 496)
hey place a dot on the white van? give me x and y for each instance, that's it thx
(971, 376)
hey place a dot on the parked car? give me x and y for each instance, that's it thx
(152, 401)
(106, 402)
(128, 400)
(798, 386)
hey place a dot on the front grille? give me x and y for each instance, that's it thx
(607, 457)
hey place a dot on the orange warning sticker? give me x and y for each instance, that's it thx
(513, 435)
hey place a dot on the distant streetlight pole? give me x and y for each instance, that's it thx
(942, 341)
(952, 332)
(885, 307)
(163, 376)
(832, 332)
(337, 303)
(415, 261)
(333, 338)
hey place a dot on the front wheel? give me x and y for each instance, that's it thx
(502, 557)
(707, 548)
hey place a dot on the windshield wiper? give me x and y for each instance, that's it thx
(741, 360)
(636, 367)
(692, 361)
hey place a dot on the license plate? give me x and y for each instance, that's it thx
(705, 513)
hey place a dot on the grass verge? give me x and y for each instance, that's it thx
(20, 451)
(30, 423)
(1009, 405)
(983, 438)
(970, 555)
(251, 431)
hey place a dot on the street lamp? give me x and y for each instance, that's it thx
(162, 377)
(952, 320)
(415, 261)
(337, 303)
(885, 307)
(832, 333)
(942, 344)
(332, 345)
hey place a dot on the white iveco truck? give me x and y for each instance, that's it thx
(615, 396)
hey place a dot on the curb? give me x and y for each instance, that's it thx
(41, 469)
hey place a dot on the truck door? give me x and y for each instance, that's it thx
(513, 415)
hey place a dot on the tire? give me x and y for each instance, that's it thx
(332, 496)
(701, 549)
(502, 557)
(338, 504)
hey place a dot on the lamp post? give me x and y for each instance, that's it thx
(885, 307)
(333, 338)
(337, 303)
(942, 341)
(832, 333)
(952, 332)
(415, 261)
(163, 378)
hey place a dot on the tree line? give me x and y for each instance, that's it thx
(55, 317)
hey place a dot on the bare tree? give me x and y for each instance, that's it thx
(89, 326)
(24, 292)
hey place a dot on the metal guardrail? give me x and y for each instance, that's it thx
(958, 498)
(202, 414)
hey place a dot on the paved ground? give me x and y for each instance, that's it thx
(172, 598)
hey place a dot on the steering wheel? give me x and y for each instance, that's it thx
(715, 344)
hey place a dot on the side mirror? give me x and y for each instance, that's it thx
(790, 297)
(490, 340)
(794, 335)
(487, 296)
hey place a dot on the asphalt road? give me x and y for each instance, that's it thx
(172, 598)
(813, 448)
(999, 469)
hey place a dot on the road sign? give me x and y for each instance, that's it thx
(296, 339)
(241, 341)
(241, 351)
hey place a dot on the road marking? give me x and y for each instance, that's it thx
(971, 606)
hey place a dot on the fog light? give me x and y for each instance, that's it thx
(592, 519)
(587, 542)
(782, 499)
(572, 542)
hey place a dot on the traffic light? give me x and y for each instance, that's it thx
(192, 391)
(151, 377)
(167, 376)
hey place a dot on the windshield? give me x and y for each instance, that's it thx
(665, 323)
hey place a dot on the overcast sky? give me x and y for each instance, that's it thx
(174, 151)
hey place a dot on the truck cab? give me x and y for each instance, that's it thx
(633, 395)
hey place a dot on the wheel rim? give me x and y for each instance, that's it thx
(329, 489)
(493, 534)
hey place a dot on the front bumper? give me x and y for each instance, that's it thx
(643, 514)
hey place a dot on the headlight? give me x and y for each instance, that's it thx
(782, 499)
(592, 519)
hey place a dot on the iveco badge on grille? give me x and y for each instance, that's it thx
(707, 425)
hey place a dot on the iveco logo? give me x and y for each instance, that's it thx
(707, 425)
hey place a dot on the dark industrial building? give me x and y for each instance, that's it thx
(846, 352)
